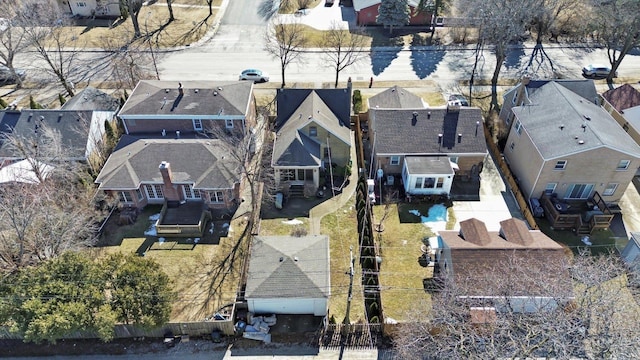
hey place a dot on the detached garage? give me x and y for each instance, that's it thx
(289, 275)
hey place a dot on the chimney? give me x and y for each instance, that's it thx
(428, 114)
(477, 126)
(522, 89)
(439, 138)
(180, 90)
(178, 134)
(459, 138)
(169, 190)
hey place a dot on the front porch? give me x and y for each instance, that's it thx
(581, 216)
(186, 219)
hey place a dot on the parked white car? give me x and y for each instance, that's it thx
(597, 71)
(254, 75)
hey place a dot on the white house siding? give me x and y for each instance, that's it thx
(317, 307)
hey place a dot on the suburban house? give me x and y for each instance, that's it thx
(91, 98)
(155, 171)
(561, 143)
(289, 275)
(27, 171)
(623, 103)
(367, 12)
(631, 252)
(521, 94)
(91, 8)
(313, 137)
(515, 265)
(78, 132)
(427, 148)
(172, 109)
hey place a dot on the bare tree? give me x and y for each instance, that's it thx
(342, 48)
(130, 65)
(550, 18)
(170, 7)
(285, 42)
(598, 321)
(41, 220)
(11, 39)
(134, 7)
(499, 24)
(616, 23)
(58, 48)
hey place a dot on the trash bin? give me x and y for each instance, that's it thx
(169, 340)
(216, 337)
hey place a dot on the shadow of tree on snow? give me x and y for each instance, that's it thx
(424, 56)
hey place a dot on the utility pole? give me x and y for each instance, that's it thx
(153, 57)
(350, 273)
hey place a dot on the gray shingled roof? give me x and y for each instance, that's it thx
(428, 165)
(556, 117)
(205, 163)
(337, 100)
(289, 267)
(294, 148)
(154, 97)
(73, 127)
(397, 133)
(91, 98)
(395, 98)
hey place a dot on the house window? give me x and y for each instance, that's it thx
(197, 124)
(313, 131)
(610, 189)
(512, 145)
(139, 194)
(419, 183)
(550, 188)
(125, 196)
(429, 183)
(560, 165)
(217, 196)
(287, 175)
(228, 123)
(154, 191)
(623, 165)
(395, 160)
(440, 183)
(81, 4)
(515, 96)
(579, 191)
(518, 126)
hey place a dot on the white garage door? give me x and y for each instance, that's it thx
(317, 307)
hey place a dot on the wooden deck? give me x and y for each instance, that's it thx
(581, 216)
(185, 220)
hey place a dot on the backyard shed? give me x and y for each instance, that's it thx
(289, 275)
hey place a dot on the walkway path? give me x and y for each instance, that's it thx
(317, 213)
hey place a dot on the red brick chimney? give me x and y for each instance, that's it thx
(170, 190)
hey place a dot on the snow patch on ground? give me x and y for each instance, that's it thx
(151, 231)
(292, 222)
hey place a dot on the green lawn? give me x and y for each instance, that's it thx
(401, 275)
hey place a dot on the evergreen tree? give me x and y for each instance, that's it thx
(393, 13)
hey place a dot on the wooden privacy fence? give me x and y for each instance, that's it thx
(511, 181)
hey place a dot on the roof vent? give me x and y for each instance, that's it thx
(561, 126)
(310, 116)
(581, 142)
(215, 93)
(459, 138)
(219, 88)
(197, 90)
(281, 259)
(166, 91)
(586, 117)
(428, 114)
(439, 138)
(295, 258)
